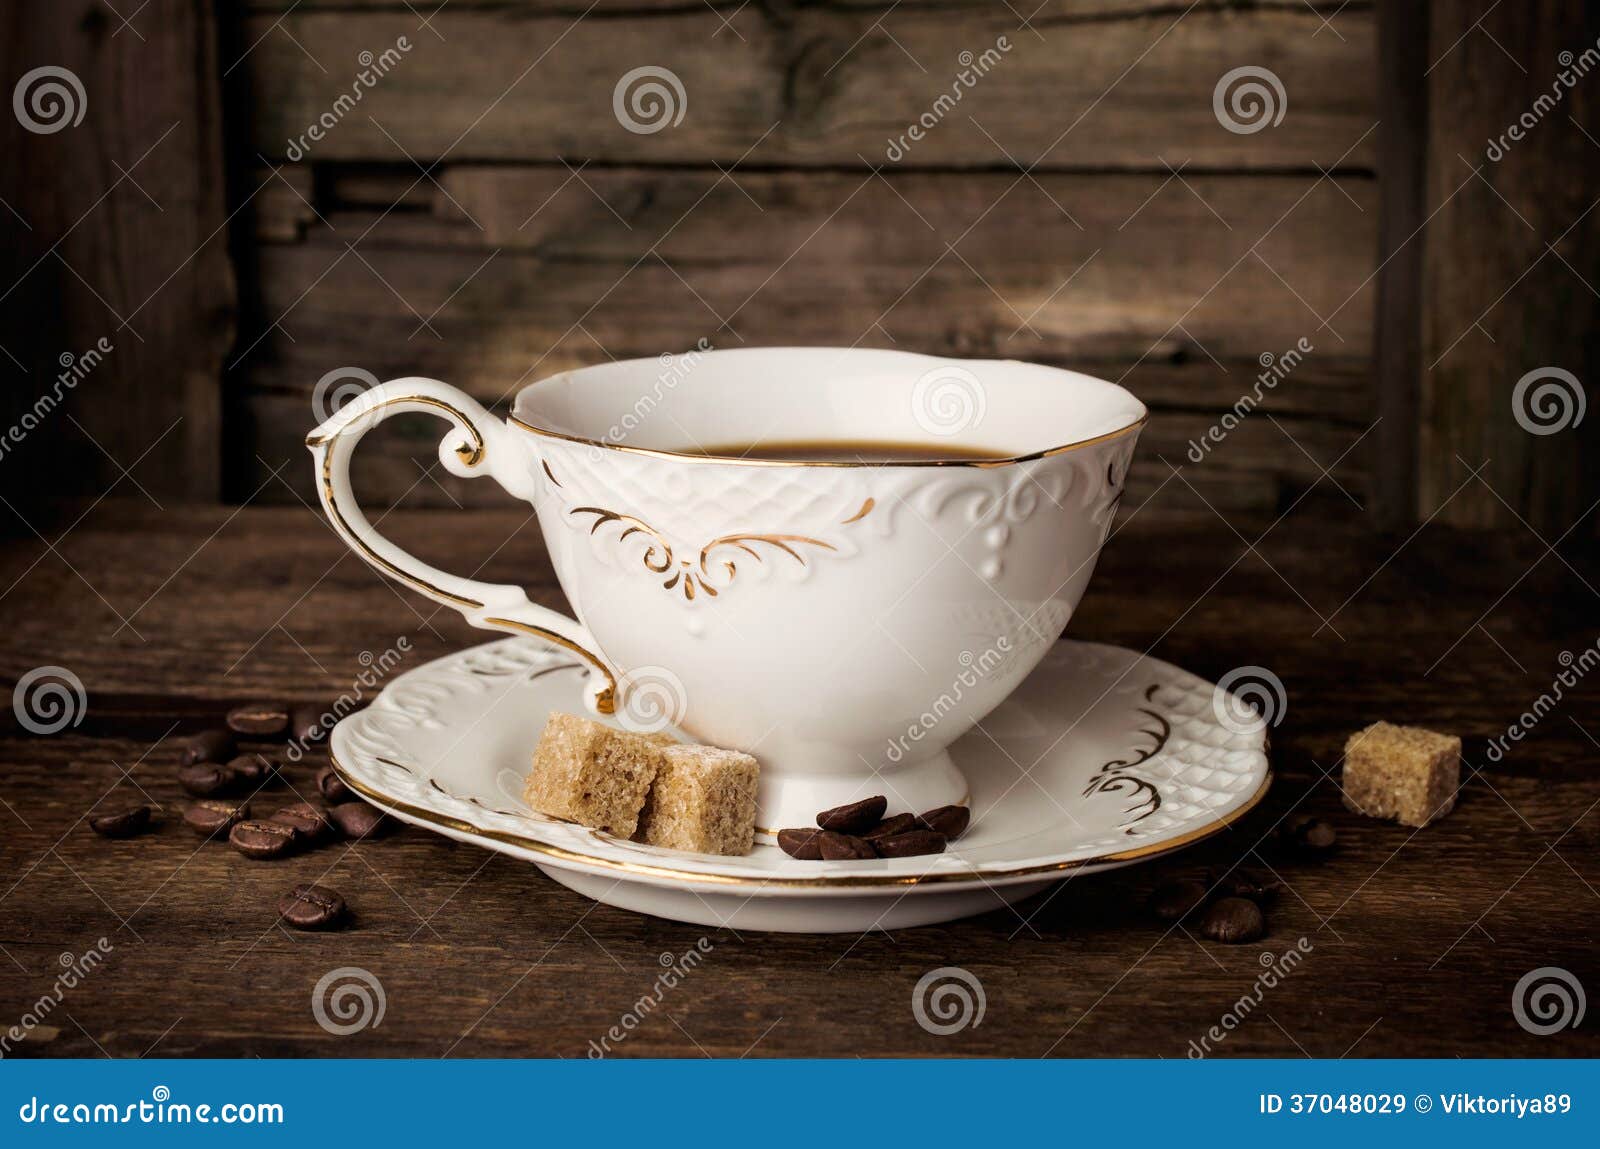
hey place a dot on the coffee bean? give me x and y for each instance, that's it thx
(802, 844)
(898, 824)
(855, 817)
(358, 820)
(910, 844)
(211, 819)
(256, 770)
(1259, 888)
(256, 839)
(951, 821)
(259, 719)
(207, 779)
(1177, 899)
(1318, 837)
(208, 746)
(309, 907)
(1233, 921)
(309, 821)
(305, 724)
(1309, 836)
(331, 786)
(121, 823)
(837, 847)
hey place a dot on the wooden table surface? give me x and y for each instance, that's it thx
(1416, 939)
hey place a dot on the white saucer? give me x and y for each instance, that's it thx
(1103, 757)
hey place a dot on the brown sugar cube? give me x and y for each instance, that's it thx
(703, 799)
(592, 774)
(1401, 772)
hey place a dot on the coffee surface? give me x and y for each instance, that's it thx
(846, 451)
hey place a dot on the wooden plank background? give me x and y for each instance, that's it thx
(486, 222)
(1511, 257)
(1082, 205)
(837, 82)
(114, 229)
(1419, 937)
(482, 216)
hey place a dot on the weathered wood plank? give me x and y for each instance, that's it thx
(796, 87)
(521, 272)
(379, 186)
(112, 230)
(1402, 164)
(208, 583)
(1336, 390)
(633, 262)
(1400, 964)
(1513, 260)
(1259, 468)
(283, 207)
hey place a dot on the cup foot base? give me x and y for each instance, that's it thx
(789, 799)
(890, 909)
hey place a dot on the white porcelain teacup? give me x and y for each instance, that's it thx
(843, 621)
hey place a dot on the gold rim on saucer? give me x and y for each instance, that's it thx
(843, 881)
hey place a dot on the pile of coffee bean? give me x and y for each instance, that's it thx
(860, 830)
(225, 779)
(1232, 908)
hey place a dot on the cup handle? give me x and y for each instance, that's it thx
(476, 445)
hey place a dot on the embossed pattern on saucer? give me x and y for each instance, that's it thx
(1101, 758)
